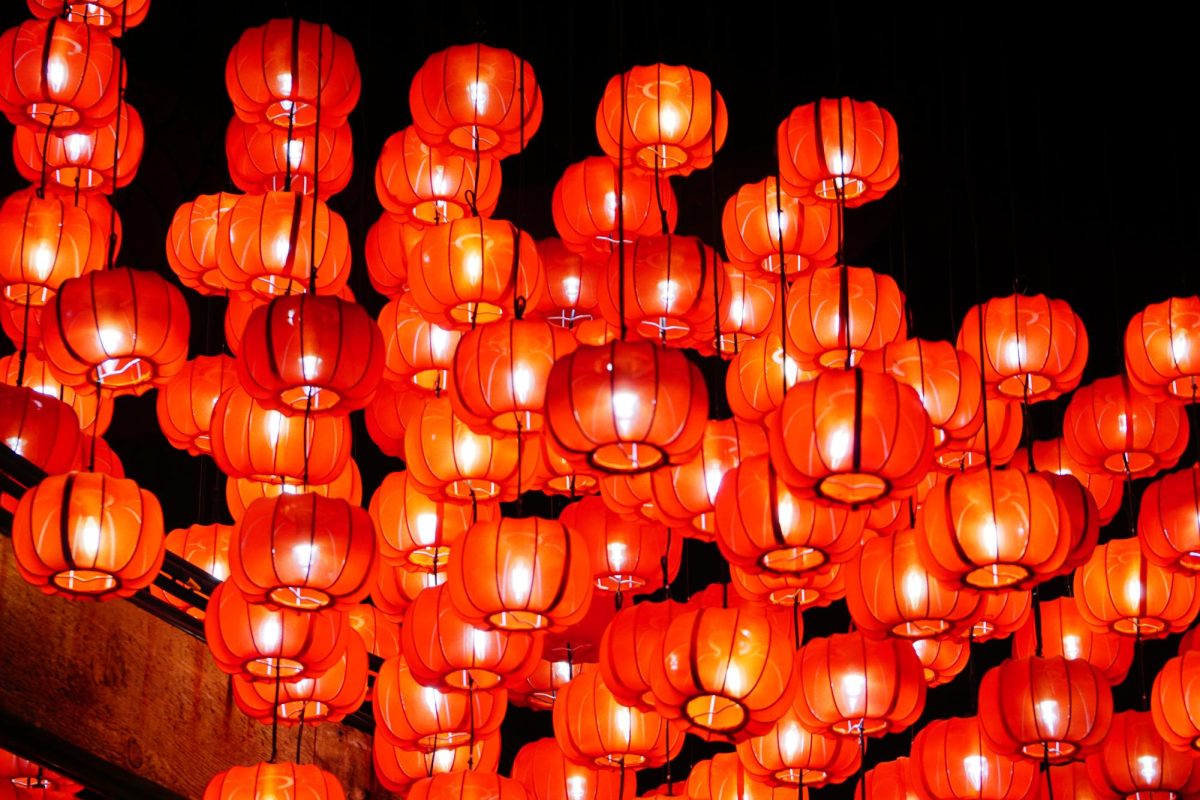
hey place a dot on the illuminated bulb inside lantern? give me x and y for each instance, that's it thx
(560, 672)
(78, 147)
(1014, 354)
(791, 741)
(42, 261)
(310, 367)
(439, 341)
(304, 555)
(520, 583)
(473, 267)
(914, 587)
(112, 340)
(280, 249)
(668, 293)
(618, 553)
(785, 511)
(522, 383)
(791, 370)
(477, 92)
(1147, 767)
(976, 768)
(56, 74)
(438, 182)
(1048, 717)
(668, 120)
(467, 453)
(1071, 648)
(990, 539)
(712, 481)
(426, 532)
(570, 287)
(295, 151)
(432, 697)
(218, 570)
(735, 682)
(16, 444)
(89, 537)
(1122, 423)
(839, 447)
(1133, 593)
(576, 787)
(624, 722)
(480, 642)
(737, 311)
(274, 423)
(624, 405)
(1180, 346)
(269, 634)
(854, 689)
(443, 759)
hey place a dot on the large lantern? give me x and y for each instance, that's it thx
(625, 556)
(1136, 762)
(422, 184)
(749, 307)
(332, 696)
(427, 718)
(40, 429)
(952, 760)
(585, 206)
(1169, 520)
(1175, 701)
(1122, 591)
(760, 225)
(758, 377)
(836, 315)
(1109, 427)
(547, 774)
(185, 403)
(44, 241)
(192, 242)
(278, 781)
(83, 159)
(1162, 349)
(790, 754)
(572, 282)
(271, 160)
(451, 462)
(416, 531)
(1065, 632)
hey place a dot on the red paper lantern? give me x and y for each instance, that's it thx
(398, 768)
(888, 781)
(585, 205)
(724, 778)
(790, 754)
(1169, 521)
(572, 282)
(83, 160)
(1004, 613)
(1109, 427)
(754, 383)
(547, 774)
(278, 781)
(758, 217)
(451, 462)
(416, 531)
(1175, 701)
(395, 588)
(1122, 591)
(1072, 780)
(1136, 762)
(185, 403)
(625, 556)
(333, 696)
(203, 546)
(748, 309)
(816, 588)
(418, 354)
(999, 437)
(40, 429)
(270, 160)
(380, 633)
(942, 659)
(192, 243)
(422, 184)
(837, 315)
(1066, 633)
(558, 475)
(386, 417)
(94, 414)
(1162, 349)
(110, 16)
(388, 244)
(1053, 456)
(467, 786)
(952, 760)
(46, 240)
(241, 492)
(631, 650)
(426, 718)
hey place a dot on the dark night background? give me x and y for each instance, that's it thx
(1047, 151)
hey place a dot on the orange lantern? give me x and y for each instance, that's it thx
(625, 556)
(422, 184)
(267, 445)
(100, 457)
(1169, 521)
(398, 768)
(451, 462)
(185, 403)
(192, 242)
(572, 282)
(416, 531)
(539, 690)
(631, 495)
(1053, 456)
(760, 225)
(887, 781)
(477, 99)
(84, 159)
(558, 475)
(281, 781)
(1122, 591)
(271, 160)
(724, 778)
(380, 633)
(631, 650)
(1034, 347)
(203, 546)
(520, 575)
(1162, 349)
(418, 354)
(1175, 701)
(1004, 613)
(816, 588)
(47, 240)
(1072, 780)
(467, 786)
(23, 327)
(748, 308)
(337, 693)
(1136, 762)
(84, 535)
(271, 643)
(664, 118)
(94, 414)
(999, 436)
(395, 588)
(754, 383)
(626, 406)
(270, 245)
(841, 150)
(1109, 427)
(547, 774)
(442, 649)
(942, 659)
(304, 551)
(388, 244)
(24, 774)
(952, 760)
(61, 74)
(499, 374)
(836, 315)
(790, 754)
(386, 417)
(852, 437)
(39, 428)
(111, 16)
(853, 685)
(281, 72)
(1066, 633)
(1079, 520)
(585, 206)
(241, 492)
(889, 592)
(426, 718)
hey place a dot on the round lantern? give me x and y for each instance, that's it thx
(477, 99)
(61, 74)
(1109, 427)
(760, 225)
(626, 406)
(418, 354)
(271, 160)
(1120, 590)
(887, 781)
(631, 495)
(754, 383)
(185, 403)
(852, 437)
(1169, 521)
(94, 413)
(46, 241)
(1004, 613)
(999, 436)
(664, 118)
(203, 546)
(724, 778)
(386, 417)
(547, 774)
(281, 72)
(395, 588)
(748, 308)
(1162, 349)
(85, 535)
(83, 160)
(631, 650)
(304, 551)
(39, 428)
(625, 556)
(468, 786)
(1066, 633)
(426, 718)
(558, 475)
(337, 693)
(260, 443)
(790, 754)
(278, 781)
(451, 462)
(1053, 456)
(1034, 347)
(1175, 701)
(499, 374)
(1072, 780)
(192, 242)
(416, 531)
(311, 354)
(585, 206)
(442, 649)
(1136, 762)
(520, 574)
(241, 492)
(111, 16)
(853, 685)
(379, 632)
(422, 184)
(388, 244)
(96, 455)
(839, 150)
(572, 282)
(816, 588)
(942, 659)
(398, 768)
(269, 245)
(836, 315)
(952, 760)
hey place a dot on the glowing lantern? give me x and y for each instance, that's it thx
(192, 242)
(84, 535)
(416, 531)
(626, 406)
(46, 241)
(395, 588)
(416, 352)
(754, 383)
(572, 282)
(278, 73)
(539, 690)
(631, 651)
(426, 718)
(816, 588)
(1136, 762)
(724, 778)
(790, 754)
(1066, 633)
(203, 546)
(852, 437)
(1109, 427)
(748, 309)
(241, 492)
(271, 160)
(836, 315)
(547, 774)
(421, 184)
(838, 150)
(1004, 613)
(999, 436)
(631, 495)
(758, 217)
(888, 781)
(83, 160)
(1053, 456)
(388, 244)
(942, 659)
(1169, 521)
(952, 760)
(1162, 349)
(1175, 701)
(477, 99)
(853, 685)
(1034, 347)
(185, 403)
(110, 16)
(387, 416)
(1072, 780)
(96, 455)
(39, 428)
(23, 327)
(94, 414)
(468, 786)
(331, 697)
(281, 781)
(451, 462)
(625, 557)
(1120, 590)
(398, 768)
(379, 633)
(664, 118)
(558, 475)
(585, 206)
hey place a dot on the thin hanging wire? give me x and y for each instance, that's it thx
(316, 187)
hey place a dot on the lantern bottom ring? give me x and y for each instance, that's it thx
(1145, 626)
(716, 713)
(1135, 462)
(52, 115)
(792, 560)
(468, 488)
(472, 678)
(473, 138)
(628, 760)
(309, 398)
(473, 313)
(1054, 752)
(270, 668)
(1026, 385)
(519, 421)
(123, 372)
(849, 188)
(443, 741)
(618, 582)
(426, 559)
(579, 484)
(921, 628)
(519, 620)
(661, 156)
(33, 294)
(438, 212)
(805, 777)
(301, 598)
(853, 487)
(664, 329)
(90, 582)
(996, 576)
(626, 457)
(793, 597)
(866, 726)
(310, 711)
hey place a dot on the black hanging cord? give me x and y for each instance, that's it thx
(316, 189)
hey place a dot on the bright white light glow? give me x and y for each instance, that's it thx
(1048, 716)
(618, 554)
(915, 588)
(89, 537)
(56, 74)
(1147, 767)
(522, 381)
(839, 447)
(976, 768)
(304, 555)
(477, 92)
(426, 528)
(1071, 648)
(520, 583)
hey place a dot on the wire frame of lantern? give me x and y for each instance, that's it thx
(331, 697)
(185, 403)
(952, 760)
(62, 74)
(426, 718)
(1175, 703)
(94, 412)
(111, 16)
(838, 150)
(662, 118)
(1066, 633)
(585, 206)
(755, 381)
(451, 462)
(280, 781)
(398, 768)
(241, 492)
(625, 556)
(547, 773)
(1121, 591)
(1168, 523)
(47, 239)
(388, 244)
(1162, 349)
(83, 160)
(202, 546)
(790, 754)
(1052, 456)
(759, 223)
(942, 659)
(421, 184)
(836, 315)
(1135, 761)
(279, 73)
(416, 531)
(39, 428)
(817, 588)
(192, 242)
(270, 160)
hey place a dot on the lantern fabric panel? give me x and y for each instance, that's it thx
(1066, 633)
(94, 412)
(952, 759)
(185, 403)
(39, 428)
(836, 315)
(268, 159)
(410, 715)
(1134, 761)
(593, 728)
(1169, 520)
(1121, 591)
(1175, 701)
(82, 159)
(421, 184)
(388, 244)
(192, 242)
(760, 225)
(47, 240)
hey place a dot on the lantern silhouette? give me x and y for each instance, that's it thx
(260, 443)
(84, 535)
(887, 781)
(942, 659)
(1135, 761)
(547, 774)
(268, 643)
(269, 245)
(185, 403)
(1162, 349)
(1034, 347)
(999, 436)
(111, 16)
(585, 206)
(625, 556)
(626, 406)
(192, 242)
(1004, 613)
(851, 437)
(1053, 456)
(790, 754)
(754, 383)
(1066, 633)
(757, 217)
(664, 118)
(241, 492)
(83, 158)
(467, 786)
(426, 718)
(388, 244)
(40, 429)
(399, 767)
(451, 462)
(337, 693)
(94, 415)
(279, 73)
(1122, 591)
(836, 315)
(203, 546)
(1109, 427)
(476, 98)
(416, 531)
(520, 575)
(48, 240)
(422, 184)
(852, 685)
(280, 781)
(417, 353)
(1175, 701)
(442, 649)
(1169, 521)
(572, 282)
(61, 74)
(816, 588)
(951, 759)
(473, 271)
(631, 650)
(269, 160)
